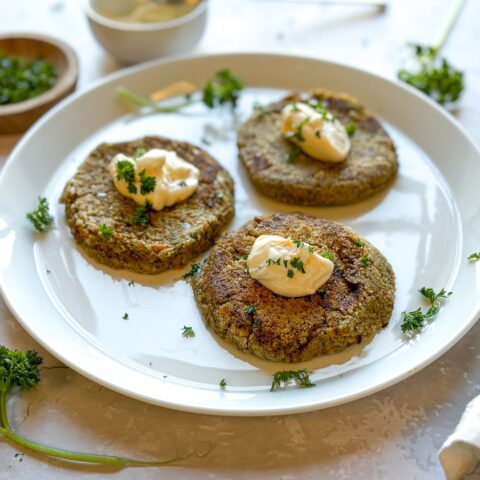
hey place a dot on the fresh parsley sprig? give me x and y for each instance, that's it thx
(474, 257)
(187, 332)
(223, 88)
(20, 369)
(414, 320)
(194, 269)
(105, 230)
(142, 215)
(300, 377)
(41, 219)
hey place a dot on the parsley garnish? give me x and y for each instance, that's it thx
(297, 132)
(271, 261)
(350, 128)
(285, 263)
(292, 155)
(105, 231)
(250, 309)
(246, 270)
(322, 292)
(474, 257)
(147, 183)
(320, 107)
(139, 153)
(433, 75)
(182, 183)
(223, 383)
(245, 257)
(141, 216)
(224, 88)
(298, 243)
(125, 316)
(298, 264)
(318, 133)
(300, 377)
(41, 219)
(290, 273)
(194, 269)
(414, 320)
(328, 255)
(260, 110)
(359, 243)
(131, 283)
(364, 260)
(126, 171)
(187, 332)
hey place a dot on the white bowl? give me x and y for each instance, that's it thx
(138, 42)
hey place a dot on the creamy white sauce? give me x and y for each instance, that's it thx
(320, 136)
(288, 268)
(175, 179)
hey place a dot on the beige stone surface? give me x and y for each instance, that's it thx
(392, 434)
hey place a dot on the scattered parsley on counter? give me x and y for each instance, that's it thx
(412, 321)
(105, 231)
(187, 332)
(194, 269)
(41, 219)
(223, 383)
(250, 309)
(350, 128)
(300, 377)
(474, 257)
(21, 370)
(141, 216)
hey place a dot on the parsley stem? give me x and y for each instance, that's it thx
(448, 24)
(140, 101)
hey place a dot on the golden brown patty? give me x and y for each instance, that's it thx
(357, 300)
(369, 168)
(176, 234)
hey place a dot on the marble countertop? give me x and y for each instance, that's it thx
(395, 433)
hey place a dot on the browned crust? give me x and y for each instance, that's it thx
(369, 168)
(176, 235)
(358, 301)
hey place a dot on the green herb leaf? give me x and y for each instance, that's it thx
(359, 243)
(350, 128)
(328, 255)
(105, 231)
(364, 260)
(141, 216)
(292, 155)
(298, 264)
(290, 273)
(224, 88)
(297, 132)
(271, 261)
(474, 257)
(250, 309)
(194, 269)
(139, 153)
(126, 171)
(223, 383)
(300, 377)
(147, 183)
(131, 283)
(125, 316)
(41, 219)
(187, 332)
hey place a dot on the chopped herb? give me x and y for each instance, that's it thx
(224, 88)
(322, 292)
(364, 260)
(295, 107)
(194, 269)
(126, 171)
(141, 216)
(297, 132)
(245, 257)
(474, 257)
(271, 261)
(182, 183)
(299, 243)
(328, 255)
(139, 153)
(414, 320)
(292, 155)
(298, 264)
(41, 219)
(318, 133)
(147, 183)
(321, 108)
(131, 283)
(187, 332)
(311, 249)
(105, 231)
(246, 270)
(350, 128)
(223, 383)
(300, 377)
(433, 75)
(125, 316)
(250, 309)
(290, 273)
(260, 110)
(359, 243)
(285, 263)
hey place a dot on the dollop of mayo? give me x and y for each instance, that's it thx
(319, 134)
(287, 267)
(157, 176)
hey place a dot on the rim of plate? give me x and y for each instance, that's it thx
(276, 407)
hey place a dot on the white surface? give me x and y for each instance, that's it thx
(146, 356)
(395, 433)
(461, 452)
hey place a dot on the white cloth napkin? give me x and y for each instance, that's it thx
(460, 454)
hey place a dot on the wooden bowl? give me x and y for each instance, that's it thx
(17, 117)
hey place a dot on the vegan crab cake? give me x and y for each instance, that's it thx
(281, 170)
(100, 217)
(355, 302)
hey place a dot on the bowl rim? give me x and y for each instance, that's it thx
(98, 18)
(64, 82)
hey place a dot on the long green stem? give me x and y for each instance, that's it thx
(448, 24)
(94, 458)
(140, 102)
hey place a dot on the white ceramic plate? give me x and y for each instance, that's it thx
(426, 224)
